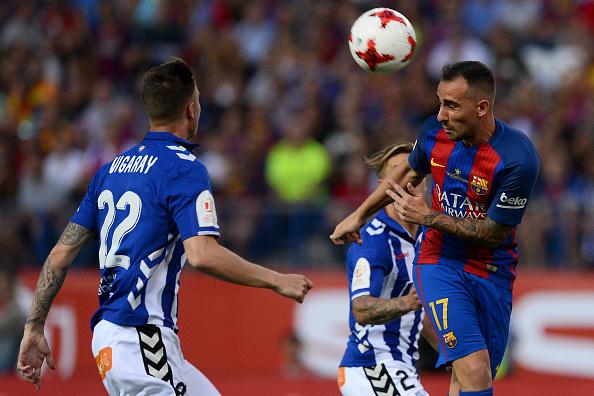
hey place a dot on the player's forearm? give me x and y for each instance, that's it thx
(54, 271)
(48, 285)
(223, 264)
(372, 310)
(482, 232)
(378, 199)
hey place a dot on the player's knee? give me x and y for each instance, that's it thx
(474, 375)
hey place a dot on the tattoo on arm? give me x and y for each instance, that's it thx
(484, 232)
(52, 277)
(372, 310)
(48, 285)
(75, 234)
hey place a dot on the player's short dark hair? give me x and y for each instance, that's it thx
(167, 89)
(378, 160)
(477, 75)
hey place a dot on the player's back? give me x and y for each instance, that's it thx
(137, 204)
(381, 267)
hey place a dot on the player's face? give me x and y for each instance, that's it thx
(194, 114)
(457, 111)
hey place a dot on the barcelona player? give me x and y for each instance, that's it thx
(385, 318)
(153, 210)
(483, 173)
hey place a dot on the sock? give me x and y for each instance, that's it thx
(486, 392)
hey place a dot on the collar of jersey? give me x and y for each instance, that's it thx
(395, 226)
(170, 137)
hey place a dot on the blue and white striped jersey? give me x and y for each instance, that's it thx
(143, 205)
(382, 267)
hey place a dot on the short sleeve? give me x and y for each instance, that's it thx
(512, 196)
(86, 214)
(367, 270)
(191, 202)
(418, 158)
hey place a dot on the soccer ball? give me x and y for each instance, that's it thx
(382, 40)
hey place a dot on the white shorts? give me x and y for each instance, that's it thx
(145, 360)
(386, 379)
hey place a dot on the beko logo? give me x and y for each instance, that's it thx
(512, 202)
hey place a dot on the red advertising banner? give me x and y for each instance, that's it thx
(242, 338)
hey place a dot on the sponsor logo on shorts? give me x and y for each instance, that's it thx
(450, 339)
(341, 377)
(104, 362)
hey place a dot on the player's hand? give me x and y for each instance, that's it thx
(293, 286)
(409, 204)
(348, 230)
(412, 299)
(34, 350)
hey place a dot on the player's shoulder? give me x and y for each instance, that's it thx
(178, 160)
(430, 126)
(374, 236)
(514, 147)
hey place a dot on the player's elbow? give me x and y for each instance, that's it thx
(360, 311)
(361, 318)
(199, 252)
(62, 255)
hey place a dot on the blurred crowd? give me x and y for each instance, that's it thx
(287, 116)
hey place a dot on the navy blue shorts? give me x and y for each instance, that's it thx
(468, 313)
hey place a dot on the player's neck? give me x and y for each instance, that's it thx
(411, 228)
(177, 129)
(484, 132)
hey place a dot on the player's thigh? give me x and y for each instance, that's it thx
(197, 383)
(121, 364)
(449, 303)
(494, 306)
(379, 380)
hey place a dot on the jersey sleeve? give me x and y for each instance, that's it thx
(366, 269)
(191, 202)
(511, 198)
(86, 214)
(418, 159)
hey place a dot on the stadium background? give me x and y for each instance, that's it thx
(287, 118)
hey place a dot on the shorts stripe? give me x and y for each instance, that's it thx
(420, 291)
(380, 380)
(153, 352)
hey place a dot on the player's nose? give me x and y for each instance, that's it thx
(442, 115)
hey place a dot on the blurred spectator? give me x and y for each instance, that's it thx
(69, 77)
(296, 169)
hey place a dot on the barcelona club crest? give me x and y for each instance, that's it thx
(479, 185)
(450, 339)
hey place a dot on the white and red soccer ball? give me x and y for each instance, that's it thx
(382, 40)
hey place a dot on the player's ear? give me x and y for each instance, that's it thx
(482, 108)
(191, 110)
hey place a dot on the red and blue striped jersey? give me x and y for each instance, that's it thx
(494, 179)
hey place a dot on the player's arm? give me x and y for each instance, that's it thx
(205, 254)
(34, 347)
(411, 205)
(485, 232)
(348, 229)
(369, 310)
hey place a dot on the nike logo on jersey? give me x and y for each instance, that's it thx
(133, 164)
(433, 163)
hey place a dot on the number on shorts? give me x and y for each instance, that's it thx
(444, 322)
(107, 254)
(403, 375)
